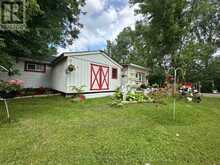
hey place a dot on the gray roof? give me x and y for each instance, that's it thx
(50, 59)
(65, 54)
(135, 66)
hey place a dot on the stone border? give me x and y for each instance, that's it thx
(37, 96)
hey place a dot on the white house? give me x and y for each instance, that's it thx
(135, 75)
(35, 73)
(95, 70)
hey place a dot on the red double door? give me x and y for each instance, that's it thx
(99, 77)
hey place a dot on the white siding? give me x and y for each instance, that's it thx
(31, 79)
(82, 74)
(58, 77)
(131, 79)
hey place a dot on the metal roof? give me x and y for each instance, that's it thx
(81, 53)
(135, 66)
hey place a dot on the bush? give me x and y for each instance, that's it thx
(155, 86)
(207, 86)
(217, 84)
(11, 86)
(158, 97)
(143, 86)
(118, 94)
(157, 76)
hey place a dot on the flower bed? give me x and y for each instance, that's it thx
(9, 89)
(139, 97)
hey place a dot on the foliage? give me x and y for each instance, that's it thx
(167, 23)
(158, 97)
(143, 86)
(131, 97)
(49, 24)
(175, 33)
(10, 86)
(207, 86)
(157, 76)
(78, 93)
(119, 50)
(118, 94)
(71, 68)
(78, 89)
(35, 91)
(155, 85)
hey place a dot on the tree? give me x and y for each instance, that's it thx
(181, 33)
(128, 47)
(49, 23)
(167, 23)
(120, 48)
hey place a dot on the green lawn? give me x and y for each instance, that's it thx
(56, 131)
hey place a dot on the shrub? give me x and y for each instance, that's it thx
(118, 94)
(143, 86)
(158, 97)
(41, 91)
(207, 86)
(155, 86)
(10, 86)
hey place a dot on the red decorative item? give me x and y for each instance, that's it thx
(82, 97)
(188, 85)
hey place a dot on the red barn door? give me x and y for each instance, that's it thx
(99, 77)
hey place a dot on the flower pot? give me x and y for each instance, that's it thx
(7, 95)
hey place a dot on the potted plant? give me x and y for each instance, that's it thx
(78, 91)
(8, 89)
(71, 68)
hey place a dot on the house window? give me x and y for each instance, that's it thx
(114, 73)
(35, 67)
(140, 77)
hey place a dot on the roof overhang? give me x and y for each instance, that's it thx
(135, 66)
(83, 53)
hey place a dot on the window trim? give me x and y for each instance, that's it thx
(116, 77)
(142, 76)
(34, 63)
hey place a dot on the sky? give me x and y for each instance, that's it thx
(104, 20)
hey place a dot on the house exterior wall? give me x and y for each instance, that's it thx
(130, 76)
(31, 79)
(82, 75)
(58, 76)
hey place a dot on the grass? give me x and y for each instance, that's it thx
(56, 131)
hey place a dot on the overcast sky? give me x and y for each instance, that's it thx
(104, 20)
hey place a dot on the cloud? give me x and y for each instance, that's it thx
(104, 20)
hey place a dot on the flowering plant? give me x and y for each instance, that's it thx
(11, 86)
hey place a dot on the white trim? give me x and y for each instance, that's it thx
(67, 54)
(137, 66)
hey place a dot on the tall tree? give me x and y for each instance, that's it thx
(120, 48)
(167, 23)
(49, 23)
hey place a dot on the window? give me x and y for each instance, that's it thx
(140, 77)
(35, 67)
(114, 73)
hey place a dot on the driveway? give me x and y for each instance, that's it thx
(211, 95)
